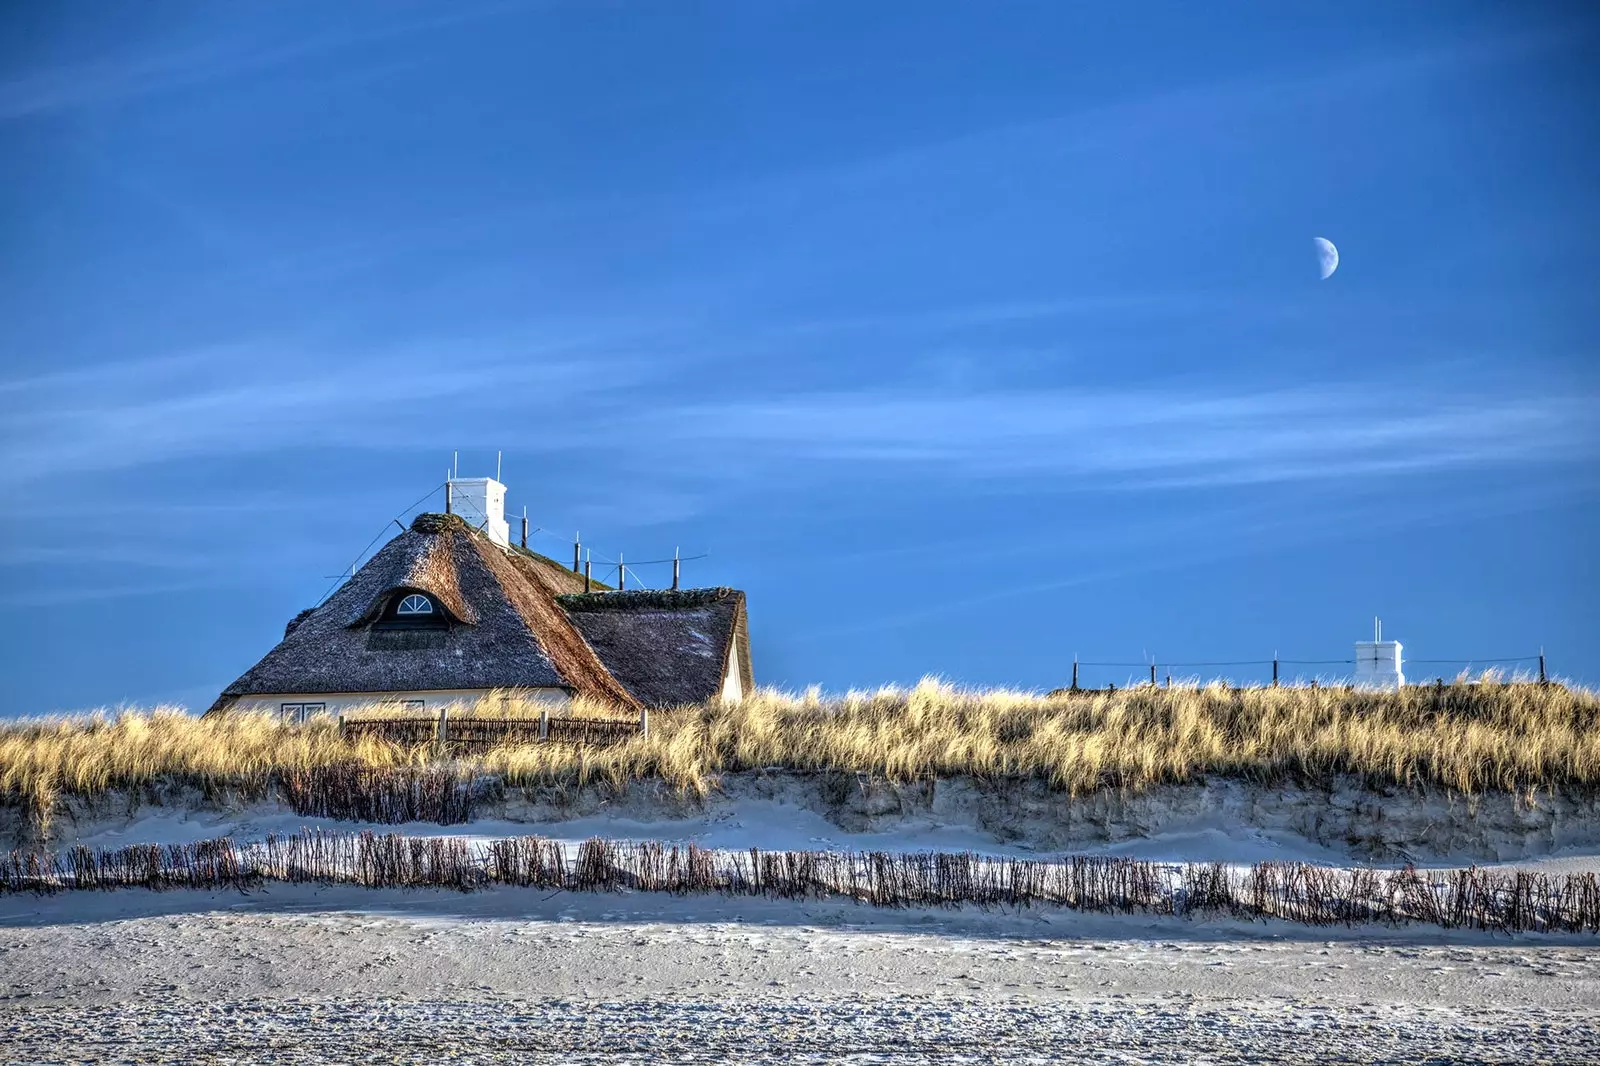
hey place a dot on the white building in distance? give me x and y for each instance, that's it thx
(1378, 661)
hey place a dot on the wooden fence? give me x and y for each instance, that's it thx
(474, 733)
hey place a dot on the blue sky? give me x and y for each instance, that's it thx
(964, 341)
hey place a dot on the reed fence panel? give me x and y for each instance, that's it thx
(1473, 898)
(475, 733)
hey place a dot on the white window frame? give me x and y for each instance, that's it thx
(300, 713)
(413, 605)
(413, 705)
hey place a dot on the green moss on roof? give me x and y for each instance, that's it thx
(658, 599)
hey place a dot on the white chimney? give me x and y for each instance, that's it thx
(1378, 661)
(481, 503)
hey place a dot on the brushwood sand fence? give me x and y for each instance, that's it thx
(1472, 898)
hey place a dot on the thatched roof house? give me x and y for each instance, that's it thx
(446, 613)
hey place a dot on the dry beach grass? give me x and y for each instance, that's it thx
(1472, 736)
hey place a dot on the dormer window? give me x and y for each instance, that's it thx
(414, 606)
(410, 609)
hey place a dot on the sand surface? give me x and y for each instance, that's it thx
(297, 974)
(300, 974)
(777, 822)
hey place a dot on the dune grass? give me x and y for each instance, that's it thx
(1483, 735)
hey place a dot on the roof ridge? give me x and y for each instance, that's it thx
(666, 598)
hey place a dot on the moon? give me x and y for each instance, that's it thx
(1327, 256)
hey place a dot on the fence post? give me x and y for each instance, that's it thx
(588, 565)
(1274, 669)
(1152, 675)
(442, 735)
(449, 496)
(1074, 673)
(644, 722)
(544, 725)
(1542, 679)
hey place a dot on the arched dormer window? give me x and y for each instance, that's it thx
(410, 609)
(414, 605)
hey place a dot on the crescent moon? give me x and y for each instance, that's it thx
(1327, 256)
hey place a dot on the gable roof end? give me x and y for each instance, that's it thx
(668, 648)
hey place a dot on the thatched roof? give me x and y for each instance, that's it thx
(516, 620)
(667, 648)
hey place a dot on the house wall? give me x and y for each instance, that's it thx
(733, 684)
(337, 703)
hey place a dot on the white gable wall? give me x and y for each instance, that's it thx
(733, 684)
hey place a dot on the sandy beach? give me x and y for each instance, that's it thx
(351, 975)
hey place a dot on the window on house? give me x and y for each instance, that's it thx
(408, 609)
(414, 604)
(413, 705)
(300, 712)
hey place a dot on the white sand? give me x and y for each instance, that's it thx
(299, 974)
(511, 975)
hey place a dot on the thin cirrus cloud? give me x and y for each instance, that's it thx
(255, 399)
(103, 80)
(249, 401)
(1145, 439)
(1099, 127)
